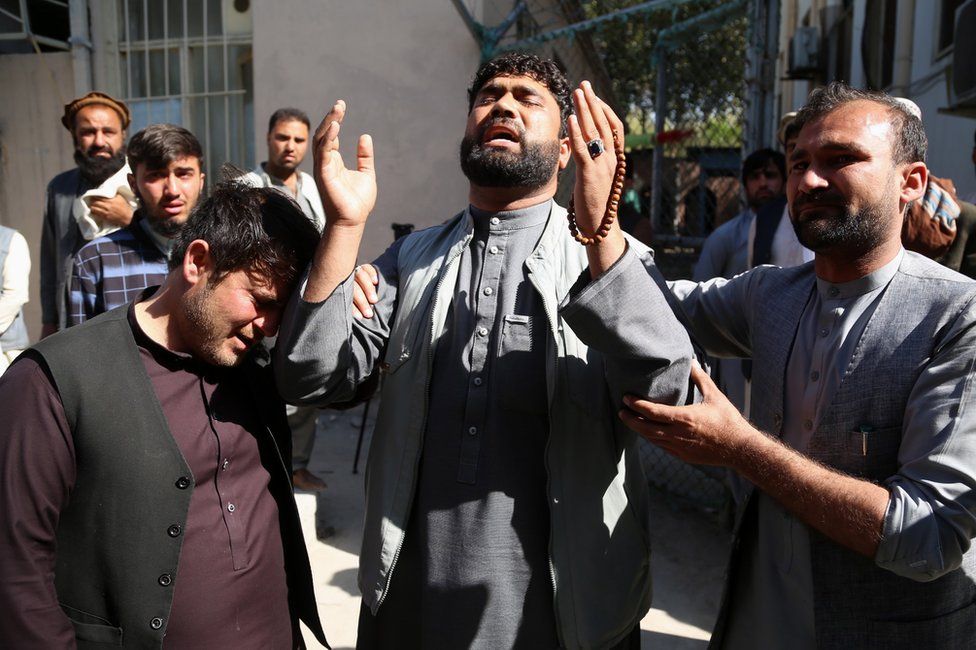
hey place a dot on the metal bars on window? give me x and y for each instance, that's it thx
(188, 62)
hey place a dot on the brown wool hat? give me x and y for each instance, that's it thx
(95, 98)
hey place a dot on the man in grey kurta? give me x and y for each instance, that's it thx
(859, 534)
(506, 506)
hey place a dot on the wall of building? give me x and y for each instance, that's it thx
(402, 69)
(950, 137)
(34, 147)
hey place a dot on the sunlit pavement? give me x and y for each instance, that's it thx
(688, 558)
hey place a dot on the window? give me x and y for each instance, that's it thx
(29, 24)
(946, 27)
(878, 43)
(189, 62)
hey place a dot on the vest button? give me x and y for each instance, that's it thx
(174, 530)
(156, 623)
(182, 482)
(165, 580)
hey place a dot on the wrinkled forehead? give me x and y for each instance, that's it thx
(862, 124)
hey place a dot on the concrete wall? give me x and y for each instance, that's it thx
(401, 67)
(34, 147)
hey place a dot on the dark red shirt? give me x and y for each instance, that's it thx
(230, 590)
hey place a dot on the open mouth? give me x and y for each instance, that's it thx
(500, 134)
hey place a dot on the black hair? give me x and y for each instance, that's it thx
(760, 158)
(909, 144)
(158, 145)
(288, 115)
(254, 229)
(526, 64)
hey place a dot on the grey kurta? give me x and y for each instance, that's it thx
(473, 571)
(772, 604)
(929, 520)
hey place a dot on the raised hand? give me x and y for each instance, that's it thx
(594, 175)
(348, 195)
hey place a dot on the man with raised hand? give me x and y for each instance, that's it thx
(506, 505)
(862, 441)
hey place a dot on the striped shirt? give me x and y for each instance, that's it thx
(112, 270)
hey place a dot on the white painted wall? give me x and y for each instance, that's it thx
(34, 147)
(402, 68)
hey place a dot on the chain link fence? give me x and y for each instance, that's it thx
(674, 70)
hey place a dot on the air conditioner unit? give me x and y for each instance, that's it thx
(962, 89)
(804, 54)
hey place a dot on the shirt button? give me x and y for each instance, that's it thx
(182, 482)
(808, 424)
(482, 331)
(493, 250)
(174, 530)
(824, 332)
(473, 431)
(231, 507)
(495, 221)
(488, 291)
(834, 292)
(165, 580)
(814, 376)
(225, 464)
(477, 381)
(156, 623)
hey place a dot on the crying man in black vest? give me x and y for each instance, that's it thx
(145, 496)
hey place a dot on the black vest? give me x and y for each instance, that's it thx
(122, 528)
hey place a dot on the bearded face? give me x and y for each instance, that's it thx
(530, 165)
(95, 167)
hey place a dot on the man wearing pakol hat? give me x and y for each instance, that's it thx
(86, 202)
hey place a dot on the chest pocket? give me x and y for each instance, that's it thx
(520, 367)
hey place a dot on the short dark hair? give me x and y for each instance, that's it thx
(525, 64)
(288, 115)
(909, 143)
(158, 145)
(254, 229)
(760, 159)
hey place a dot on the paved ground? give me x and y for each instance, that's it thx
(688, 558)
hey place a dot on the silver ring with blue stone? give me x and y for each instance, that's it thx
(595, 147)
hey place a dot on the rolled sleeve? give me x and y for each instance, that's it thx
(931, 515)
(624, 315)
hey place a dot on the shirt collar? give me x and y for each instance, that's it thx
(277, 182)
(534, 215)
(863, 285)
(164, 244)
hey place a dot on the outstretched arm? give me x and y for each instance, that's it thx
(849, 511)
(321, 355)
(348, 196)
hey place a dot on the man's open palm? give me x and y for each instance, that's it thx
(348, 195)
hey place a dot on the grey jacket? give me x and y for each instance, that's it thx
(600, 529)
(924, 319)
(60, 240)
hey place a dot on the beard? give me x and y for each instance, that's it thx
(839, 227)
(95, 169)
(165, 226)
(485, 166)
(208, 345)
